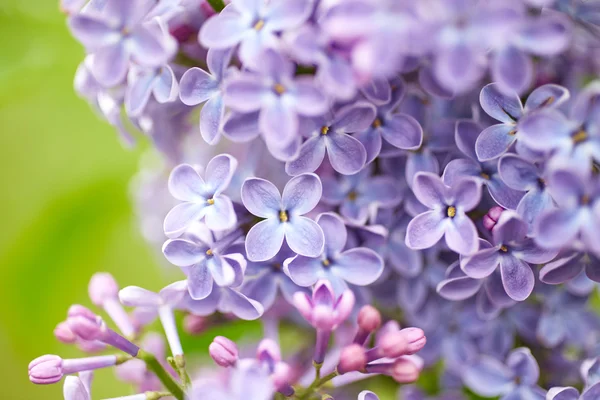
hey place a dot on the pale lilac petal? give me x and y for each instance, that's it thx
(138, 93)
(182, 216)
(545, 129)
(591, 393)
(481, 264)
(196, 86)
(200, 281)
(423, 161)
(532, 205)
(304, 271)
(426, 229)
(358, 266)
(279, 122)
(334, 231)
(371, 141)
(545, 36)
(495, 141)
(549, 95)
(550, 330)
(186, 185)
(287, 14)
(430, 190)
(220, 215)
(430, 84)
(337, 78)
(262, 289)
(312, 153)
(240, 128)
(460, 168)
(73, 389)
(240, 305)
(204, 307)
(304, 237)
(346, 154)
(218, 61)
(224, 30)
(517, 277)
(367, 395)
(310, 101)
(524, 366)
(149, 49)
(378, 91)
(219, 172)
(92, 32)
(285, 153)
(261, 198)
(458, 68)
(466, 193)
(183, 253)
(461, 235)
(264, 239)
(245, 93)
(488, 377)
(465, 136)
(354, 118)
(567, 187)
(530, 252)
(211, 117)
(512, 69)
(503, 107)
(221, 271)
(403, 132)
(301, 194)
(557, 227)
(457, 289)
(383, 191)
(563, 393)
(110, 65)
(134, 296)
(509, 228)
(561, 270)
(517, 172)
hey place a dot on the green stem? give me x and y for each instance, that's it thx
(166, 379)
(217, 5)
(317, 383)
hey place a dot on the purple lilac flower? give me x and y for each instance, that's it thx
(78, 387)
(367, 395)
(398, 129)
(283, 217)
(486, 172)
(447, 215)
(202, 198)
(330, 134)
(359, 196)
(576, 217)
(145, 82)
(265, 279)
(118, 34)
(516, 378)
(507, 108)
(513, 252)
(359, 265)
(569, 266)
(199, 86)
(254, 25)
(279, 96)
(205, 260)
(245, 383)
(324, 309)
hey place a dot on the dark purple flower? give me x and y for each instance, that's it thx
(486, 172)
(570, 266)
(202, 199)
(447, 215)
(199, 86)
(359, 196)
(254, 25)
(118, 34)
(283, 217)
(331, 135)
(513, 252)
(359, 266)
(278, 96)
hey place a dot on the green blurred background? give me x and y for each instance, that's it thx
(65, 205)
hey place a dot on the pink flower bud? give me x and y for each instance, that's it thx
(77, 310)
(64, 334)
(369, 318)
(490, 219)
(46, 370)
(102, 287)
(404, 371)
(86, 328)
(352, 358)
(281, 376)
(223, 351)
(393, 344)
(195, 324)
(268, 349)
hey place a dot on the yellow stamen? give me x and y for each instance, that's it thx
(451, 211)
(485, 176)
(209, 252)
(324, 130)
(503, 248)
(579, 136)
(547, 102)
(210, 201)
(513, 132)
(279, 88)
(259, 25)
(377, 123)
(585, 199)
(352, 195)
(283, 217)
(326, 262)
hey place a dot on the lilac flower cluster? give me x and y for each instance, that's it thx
(438, 159)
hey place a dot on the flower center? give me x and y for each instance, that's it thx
(276, 266)
(210, 201)
(585, 199)
(579, 136)
(547, 102)
(209, 252)
(451, 211)
(279, 88)
(259, 25)
(324, 130)
(326, 263)
(485, 175)
(283, 216)
(377, 123)
(352, 195)
(504, 248)
(512, 132)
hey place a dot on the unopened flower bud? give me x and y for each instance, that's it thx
(404, 371)
(85, 328)
(223, 351)
(64, 334)
(392, 345)
(369, 318)
(77, 310)
(352, 358)
(268, 350)
(416, 339)
(46, 370)
(490, 219)
(102, 287)
(195, 324)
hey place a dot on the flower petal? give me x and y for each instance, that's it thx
(495, 141)
(334, 232)
(430, 190)
(545, 129)
(461, 235)
(509, 228)
(481, 264)
(548, 95)
(239, 305)
(182, 216)
(219, 172)
(261, 197)
(503, 107)
(310, 158)
(359, 266)
(403, 131)
(211, 117)
(457, 289)
(224, 30)
(183, 253)
(517, 277)
(134, 296)
(517, 172)
(196, 86)
(425, 230)
(354, 118)
(304, 237)
(244, 93)
(264, 239)
(304, 271)
(220, 216)
(488, 377)
(301, 194)
(512, 69)
(221, 271)
(200, 281)
(310, 101)
(555, 228)
(186, 185)
(346, 154)
(73, 389)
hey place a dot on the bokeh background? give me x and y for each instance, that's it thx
(64, 201)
